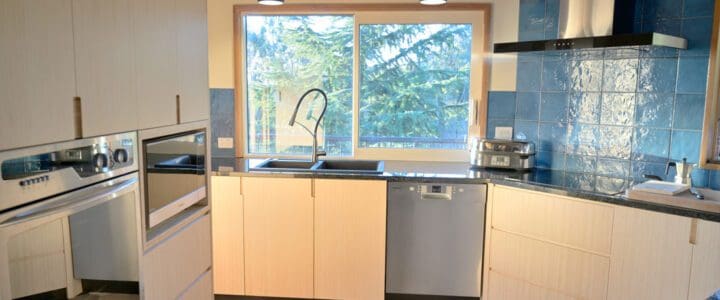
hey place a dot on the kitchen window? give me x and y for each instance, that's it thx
(401, 84)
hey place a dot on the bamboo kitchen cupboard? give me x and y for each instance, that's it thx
(37, 73)
(278, 218)
(350, 222)
(705, 274)
(192, 38)
(651, 255)
(104, 66)
(227, 221)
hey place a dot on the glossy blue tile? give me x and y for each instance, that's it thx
(492, 123)
(528, 106)
(654, 110)
(619, 53)
(657, 75)
(658, 52)
(700, 177)
(529, 71)
(698, 32)
(714, 179)
(550, 160)
(584, 108)
(531, 35)
(620, 75)
(583, 139)
(552, 14)
(617, 109)
(666, 26)
(698, 8)
(588, 54)
(685, 144)
(613, 167)
(526, 130)
(660, 9)
(555, 75)
(553, 107)
(640, 168)
(532, 16)
(614, 142)
(552, 137)
(692, 74)
(689, 111)
(650, 144)
(501, 105)
(586, 75)
(580, 163)
(610, 185)
(580, 181)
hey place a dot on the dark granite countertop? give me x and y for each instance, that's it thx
(579, 185)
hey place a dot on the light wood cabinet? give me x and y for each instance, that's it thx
(171, 267)
(104, 66)
(651, 255)
(705, 272)
(201, 288)
(37, 74)
(155, 44)
(192, 38)
(227, 221)
(350, 222)
(508, 288)
(278, 215)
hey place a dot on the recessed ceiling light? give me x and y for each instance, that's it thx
(433, 2)
(271, 2)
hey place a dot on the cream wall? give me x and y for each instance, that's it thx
(220, 38)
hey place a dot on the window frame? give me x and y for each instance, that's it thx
(478, 15)
(710, 135)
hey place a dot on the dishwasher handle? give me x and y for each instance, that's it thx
(435, 196)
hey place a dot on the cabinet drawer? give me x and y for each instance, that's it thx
(507, 288)
(569, 271)
(173, 265)
(201, 288)
(556, 219)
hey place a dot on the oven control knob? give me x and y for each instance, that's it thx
(100, 160)
(120, 156)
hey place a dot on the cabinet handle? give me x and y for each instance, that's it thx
(177, 108)
(693, 231)
(475, 108)
(77, 114)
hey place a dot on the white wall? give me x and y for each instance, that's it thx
(220, 37)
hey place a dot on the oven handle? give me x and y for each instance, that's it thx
(67, 204)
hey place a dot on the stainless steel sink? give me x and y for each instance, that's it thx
(282, 165)
(350, 166)
(323, 166)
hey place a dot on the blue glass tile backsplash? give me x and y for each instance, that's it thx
(612, 114)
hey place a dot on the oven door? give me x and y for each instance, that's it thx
(91, 233)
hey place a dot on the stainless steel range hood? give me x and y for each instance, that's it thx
(595, 24)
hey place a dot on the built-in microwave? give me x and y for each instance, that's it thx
(174, 171)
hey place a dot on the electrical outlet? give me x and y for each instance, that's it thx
(503, 133)
(225, 143)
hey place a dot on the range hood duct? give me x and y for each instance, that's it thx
(595, 24)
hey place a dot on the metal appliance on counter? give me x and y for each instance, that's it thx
(69, 216)
(174, 176)
(435, 239)
(502, 154)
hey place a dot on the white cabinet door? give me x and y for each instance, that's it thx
(192, 50)
(155, 43)
(37, 73)
(104, 63)
(651, 255)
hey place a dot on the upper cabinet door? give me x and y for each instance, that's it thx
(37, 76)
(193, 60)
(104, 64)
(154, 23)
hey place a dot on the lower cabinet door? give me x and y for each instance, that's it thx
(201, 289)
(171, 267)
(705, 277)
(278, 214)
(508, 288)
(651, 255)
(350, 218)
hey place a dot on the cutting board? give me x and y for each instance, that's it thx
(684, 199)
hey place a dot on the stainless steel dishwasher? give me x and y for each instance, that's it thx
(435, 239)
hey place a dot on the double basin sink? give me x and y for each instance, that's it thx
(322, 166)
